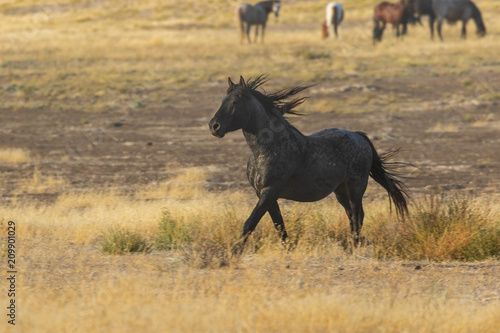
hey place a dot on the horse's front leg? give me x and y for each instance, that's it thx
(463, 30)
(262, 37)
(431, 25)
(256, 32)
(266, 201)
(279, 224)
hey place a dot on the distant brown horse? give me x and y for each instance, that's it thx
(394, 13)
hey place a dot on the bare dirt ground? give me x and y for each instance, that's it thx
(450, 137)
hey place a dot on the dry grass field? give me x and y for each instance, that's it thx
(126, 207)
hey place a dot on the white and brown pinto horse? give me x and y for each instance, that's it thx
(334, 16)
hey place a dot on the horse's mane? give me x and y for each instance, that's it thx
(266, 2)
(274, 103)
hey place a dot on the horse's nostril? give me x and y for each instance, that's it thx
(216, 127)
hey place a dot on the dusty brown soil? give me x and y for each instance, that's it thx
(138, 146)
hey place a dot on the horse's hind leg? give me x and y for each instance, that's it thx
(355, 191)
(431, 25)
(343, 198)
(275, 213)
(464, 32)
(256, 33)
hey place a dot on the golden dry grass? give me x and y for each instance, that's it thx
(317, 286)
(39, 184)
(14, 155)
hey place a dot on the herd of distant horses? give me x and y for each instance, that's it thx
(399, 15)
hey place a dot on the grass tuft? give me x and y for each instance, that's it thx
(14, 155)
(208, 252)
(122, 241)
(173, 233)
(439, 229)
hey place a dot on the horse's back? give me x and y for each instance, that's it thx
(252, 14)
(381, 9)
(423, 7)
(452, 10)
(338, 136)
(333, 8)
(340, 144)
(394, 13)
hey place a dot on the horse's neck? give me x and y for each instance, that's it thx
(476, 16)
(267, 5)
(266, 132)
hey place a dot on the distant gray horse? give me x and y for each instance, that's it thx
(458, 10)
(284, 163)
(256, 15)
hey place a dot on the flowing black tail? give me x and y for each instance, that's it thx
(385, 173)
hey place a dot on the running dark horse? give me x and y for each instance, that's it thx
(284, 163)
(395, 13)
(249, 15)
(458, 10)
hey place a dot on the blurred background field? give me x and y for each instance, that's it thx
(126, 206)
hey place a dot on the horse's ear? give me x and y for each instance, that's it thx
(243, 83)
(229, 82)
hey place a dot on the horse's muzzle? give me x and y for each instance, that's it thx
(216, 129)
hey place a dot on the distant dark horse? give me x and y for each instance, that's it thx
(256, 15)
(287, 164)
(334, 16)
(395, 13)
(458, 10)
(424, 7)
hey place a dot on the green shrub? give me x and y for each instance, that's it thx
(122, 241)
(173, 233)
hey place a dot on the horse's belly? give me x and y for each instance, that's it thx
(313, 186)
(304, 195)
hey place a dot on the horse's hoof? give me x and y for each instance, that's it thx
(237, 249)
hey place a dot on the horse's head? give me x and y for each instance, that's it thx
(276, 8)
(235, 110)
(377, 34)
(324, 30)
(481, 29)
